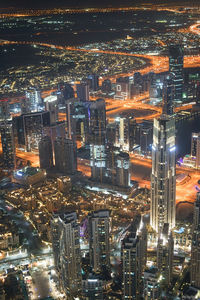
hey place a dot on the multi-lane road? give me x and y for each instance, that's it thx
(157, 64)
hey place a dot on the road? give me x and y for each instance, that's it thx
(156, 64)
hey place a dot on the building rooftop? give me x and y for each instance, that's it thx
(27, 172)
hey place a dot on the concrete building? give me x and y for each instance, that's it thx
(29, 176)
(92, 288)
(97, 139)
(151, 284)
(82, 90)
(134, 254)
(33, 98)
(8, 145)
(93, 82)
(65, 156)
(28, 129)
(51, 105)
(66, 250)
(165, 254)
(122, 170)
(78, 120)
(122, 133)
(195, 250)
(163, 177)
(45, 153)
(99, 239)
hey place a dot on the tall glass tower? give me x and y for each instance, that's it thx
(163, 177)
(176, 56)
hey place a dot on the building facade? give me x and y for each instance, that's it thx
(65, 156)
(8, 145)
(99, 240)
(163, 177)
(45, 153)
(134, 255)
(195, 251)
(66, 250)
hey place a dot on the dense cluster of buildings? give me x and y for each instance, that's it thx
(107, 148)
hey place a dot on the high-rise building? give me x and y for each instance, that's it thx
(98, 157)
(99, 239)
(122, 170)
(65, 234)
(134, 255)
(78, 120)
(165, 253)
(65, 156)
(8, 146)
(195, 137)
(68, 92)
(93, 82)
(34, 100)
(168, 95)
(198, 153)
(163, 177)
(122, 133)
(51, 105)
(28, 129)
(195, 250)
(54, 130)
(92, 288)
(146, 136)
(176, 56)
(45, 153)
(106, 86)
(97, 116)
(82, 90)
(97, 132)
(122, 91)
(151, 284)
(195, 148)
(4, 110)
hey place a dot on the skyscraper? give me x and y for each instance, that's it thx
(151, 284)
(195, 148)
(93, 82)
(92, 288)
(195, 137)
(168, 95)
(77, 120)
(122, 133)
(4, 110)
(66, 249)
(34, 99)
(163, 177)
(122, 170)
(165, 253)
(97, 138)
(65, 156)
(8, 146)
(82, 90)
(106, 86)
(51, 105)
(45, 153)
(28, 129)
(99, 239)
(68, 92)
(176, 56)
(195, 251)
(134, 255)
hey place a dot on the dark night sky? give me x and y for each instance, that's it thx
(79, 3)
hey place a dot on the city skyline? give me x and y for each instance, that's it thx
(99, 150)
